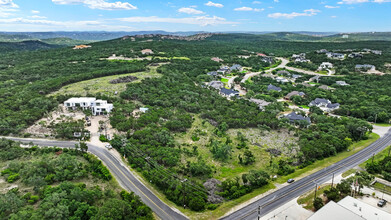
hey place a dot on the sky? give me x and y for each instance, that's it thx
(195, 15)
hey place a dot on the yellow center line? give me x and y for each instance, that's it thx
(136, 186)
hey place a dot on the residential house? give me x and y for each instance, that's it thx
(325, 65)
(213, 73)
(291, 94)
(318, 102)
(216, 85)
(283, 73)
(377, 52)
(281, 79)
(322, 51)
(315, 78)
(144, 110)
(216, 59)
(101, 107)
(228, 92)
(332, 106)
(236, 67)
(147, 52)
(275, 88)
(223, 70)
(341, 83)
(268, 59)
(365, 67)
(98, 107)
(300, 58)
(296, 76)
(335, 55)
(261, 55)
(82, 103)
(78, 47)
(261, 103)
(325, 87)
(355, 55)
(295, 118)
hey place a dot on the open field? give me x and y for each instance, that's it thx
(259, 141)
(102, 85)
(382, 188)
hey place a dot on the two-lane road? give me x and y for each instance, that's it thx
(123, 175)
(287, 193)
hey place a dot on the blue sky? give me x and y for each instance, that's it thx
(195, 15)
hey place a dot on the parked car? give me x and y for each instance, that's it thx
(290, 181)
(382, 203)
(108, 146)
(88, 123)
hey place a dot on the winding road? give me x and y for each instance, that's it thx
(287, 193)
(123, 175)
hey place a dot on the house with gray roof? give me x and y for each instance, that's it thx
(275, 88)
(228, 92)
(332, 106)
(295, 118)
(213, 73)
(236, 67)
(216, 84)
(291, 94)
(261, 103)
(319, 102)
(341, 83)
(365, 67)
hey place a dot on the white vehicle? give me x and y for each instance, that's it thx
(108, 146)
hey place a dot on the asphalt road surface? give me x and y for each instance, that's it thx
(123, 175)
(276, 199)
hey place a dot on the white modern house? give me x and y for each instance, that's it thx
(98, 107)
(325, 65)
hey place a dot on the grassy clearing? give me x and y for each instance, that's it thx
(383, 124)
(224, 80)
(304, 106)
(102, 85)
(382, 188)
(307, 199)
(378, 156)
(348, 172)
(320, 164)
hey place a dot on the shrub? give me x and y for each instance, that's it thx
(197, 204)
(318, 203)
(13, 177)
(103, 138)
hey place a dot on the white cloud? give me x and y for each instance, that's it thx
(257, 2)
(8, 4)
(249, 9)
(350, 2)
(334, 16)
(200, 20)
(190, 11)
(276, 1)
(35, 12)
(212, 4)
(48, 22)
(98, 4)
(308, 13)
(38, 17)
(330, 6)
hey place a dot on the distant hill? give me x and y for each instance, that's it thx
(24, 46)
(65, 41)
(364, 36)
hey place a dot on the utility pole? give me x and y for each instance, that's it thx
(259, 212)
(316, 188)
(375, 118)
(373, 157)
(184, 192)
(384, 189)
(332, 181)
